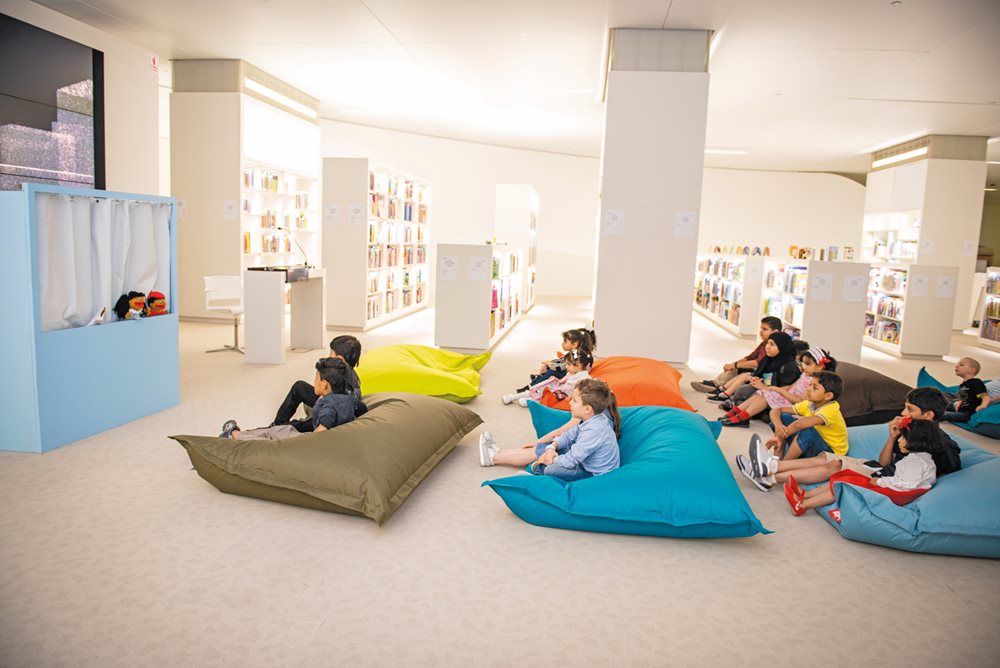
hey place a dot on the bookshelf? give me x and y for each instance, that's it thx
(279, 217)
(903, 311)
(478, 298)
(820, 302)
(728, 291)
(516, 223)
(375, 244)
(240, 166)
(989, 326)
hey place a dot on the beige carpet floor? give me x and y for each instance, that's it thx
(113, 552)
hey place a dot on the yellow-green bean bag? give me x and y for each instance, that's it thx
(422, 370)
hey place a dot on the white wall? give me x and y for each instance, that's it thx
(780, 209)
(130, 98)
(463, 178)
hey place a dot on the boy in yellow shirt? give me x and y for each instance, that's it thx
(806, 429)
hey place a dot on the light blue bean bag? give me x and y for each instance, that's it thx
(985, 422)
(960, 515)
(673, 481)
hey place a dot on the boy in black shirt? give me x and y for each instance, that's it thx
(972, 394)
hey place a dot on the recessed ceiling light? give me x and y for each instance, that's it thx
(896, 3)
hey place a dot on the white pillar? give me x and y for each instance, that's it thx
(651, 174)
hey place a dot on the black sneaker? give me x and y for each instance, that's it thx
(522, 389)
(228, 428)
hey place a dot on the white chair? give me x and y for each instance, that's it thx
(225, 294)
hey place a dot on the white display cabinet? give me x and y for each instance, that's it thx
(820, 302)
(927, 212)
(478, 295)
(989, 325)
(728, 291)
(375, 243)
(516, 224)
(904, 308)
(245, 170)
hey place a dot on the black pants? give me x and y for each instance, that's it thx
(300, 393)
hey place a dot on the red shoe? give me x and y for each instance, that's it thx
(793, 501)
(796, 490)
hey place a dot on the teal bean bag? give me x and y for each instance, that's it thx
(673, 481)
(985, 422)
(960, 515)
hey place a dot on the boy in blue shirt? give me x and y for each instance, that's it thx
(334, 406)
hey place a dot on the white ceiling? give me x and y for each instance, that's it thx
(796, 84)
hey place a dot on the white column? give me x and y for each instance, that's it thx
(652, 164)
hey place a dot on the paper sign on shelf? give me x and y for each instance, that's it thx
(919, 285)
(854, 288)
(927, 247)
(331, 214)
(480, 269)
(752, 274)
(970, 248)
(820, 287)
(685, 224)
(945, 287)
(448, 268)
(614, 223)
(230, 210)
(355, 214)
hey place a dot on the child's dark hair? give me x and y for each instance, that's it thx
(334, 371)
(585, 339)
(580, 356)
(596, 394)
(348, 347)
(799, 346)
(830, 382)
(772, 322)
(922, 436)
(929, 399)
(820, 357)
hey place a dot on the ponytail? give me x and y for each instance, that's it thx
(616, 418)
(585, 339)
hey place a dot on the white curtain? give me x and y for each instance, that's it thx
(92, 250)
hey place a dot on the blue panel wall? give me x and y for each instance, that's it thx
(60, 386)
(19, 425)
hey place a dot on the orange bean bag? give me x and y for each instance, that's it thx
(636, 381)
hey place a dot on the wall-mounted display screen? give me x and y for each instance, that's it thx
(51, 109)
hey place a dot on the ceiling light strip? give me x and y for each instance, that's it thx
(893, 159)
(284, 101)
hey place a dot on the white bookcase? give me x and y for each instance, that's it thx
(820, 302)
(375, 244)
(903, 312)
(927, 212)
(242, 166)
(728, 290)
(478, 294)
(516, 223)
(279, 217)
(989, 325)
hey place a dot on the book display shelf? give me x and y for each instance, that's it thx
(727, 291)
(820, 302)
(989, 325)
(516, 224)
(478, 299)
(279, 217)
(903, 312)
(377, 229)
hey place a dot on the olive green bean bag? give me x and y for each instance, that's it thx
(366, 467)
(422, 370)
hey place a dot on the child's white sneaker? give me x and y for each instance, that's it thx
(522, 402)
(507, 398)
(487, 449)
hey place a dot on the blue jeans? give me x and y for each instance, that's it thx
(556, 470)
(810, 442)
